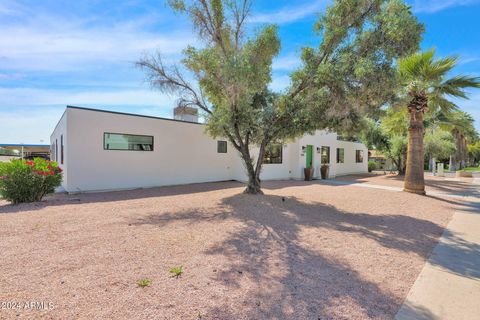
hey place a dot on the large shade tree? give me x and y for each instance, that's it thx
(349, 73)
(427, 86)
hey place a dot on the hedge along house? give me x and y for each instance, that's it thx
(103, 150)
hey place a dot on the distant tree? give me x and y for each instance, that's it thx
(426, 87)
(438, 144)
(351, 72)
(461, 126)
(474, 152)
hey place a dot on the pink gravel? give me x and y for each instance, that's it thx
(301, 251)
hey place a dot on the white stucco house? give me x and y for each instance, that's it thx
(104, 150)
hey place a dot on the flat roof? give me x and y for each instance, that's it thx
(132, 114)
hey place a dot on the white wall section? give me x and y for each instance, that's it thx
(183, 153)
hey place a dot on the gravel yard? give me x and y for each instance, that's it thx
(304, 250)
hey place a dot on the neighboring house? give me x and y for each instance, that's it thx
(10, 151)
(383, 163)
(104, 150)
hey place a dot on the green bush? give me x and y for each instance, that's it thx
(28, 181)
(372, 165)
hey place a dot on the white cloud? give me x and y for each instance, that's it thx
(287, 63)
(472, 106)
(69, 47)
(30, 126)
(291, 13)
(279, 83)
(468, 59)
(27, 96)
(431, 6)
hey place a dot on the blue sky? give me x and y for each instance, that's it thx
(59, 52)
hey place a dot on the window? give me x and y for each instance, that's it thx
(52, 152)
(131, 142)
(273, 154)
(56, 150)
(221, 146)
(359, 156)
(61, 149)
(340, 155)
(325, 155)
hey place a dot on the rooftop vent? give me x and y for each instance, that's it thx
(184, 113)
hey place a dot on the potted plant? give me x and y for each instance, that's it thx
(324, 171)
(308, 173)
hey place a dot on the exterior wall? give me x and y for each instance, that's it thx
(350, 165)
(270, 171)
(183, 153)
(61, 129)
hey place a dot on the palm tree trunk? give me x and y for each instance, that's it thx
(414, 176)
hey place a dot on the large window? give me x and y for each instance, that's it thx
(273, 154)
(222, 146)
(325, 155)
(359, 156)
(61, 149)
(118, 141)
(340, 155)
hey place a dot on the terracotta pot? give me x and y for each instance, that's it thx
(324, 171)
(308, 173)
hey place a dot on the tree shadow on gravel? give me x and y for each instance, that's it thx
(293, 277)
(123, 195)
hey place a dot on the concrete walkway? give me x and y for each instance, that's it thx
(449, 285)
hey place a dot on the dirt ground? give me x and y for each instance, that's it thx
(304, 250)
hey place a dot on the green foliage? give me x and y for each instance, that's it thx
(352, 71)
(28, 181)
(422, 75)
(470, 169)
(372, 165)
(474, 151)
(438, 144)
(144, 283)
(338, 83)
(176, 271)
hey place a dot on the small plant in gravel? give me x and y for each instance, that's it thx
(176, 271)
(144, 283)
(28, 181)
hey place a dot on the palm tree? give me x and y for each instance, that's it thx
(427, 87)
(461, 126)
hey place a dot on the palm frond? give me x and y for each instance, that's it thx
(455, 86)
(413, 66)
(438, 68)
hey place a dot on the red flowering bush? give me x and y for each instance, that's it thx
(28, 181)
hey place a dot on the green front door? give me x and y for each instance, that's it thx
(309, 156)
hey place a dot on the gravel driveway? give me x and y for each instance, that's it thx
(301, 251)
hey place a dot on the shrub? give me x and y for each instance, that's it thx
(176, 271)
(142, 283)
(372, 165)
(28, 181)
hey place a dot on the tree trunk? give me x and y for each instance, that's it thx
(253, 185)
(400, 166)
(414, 176)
